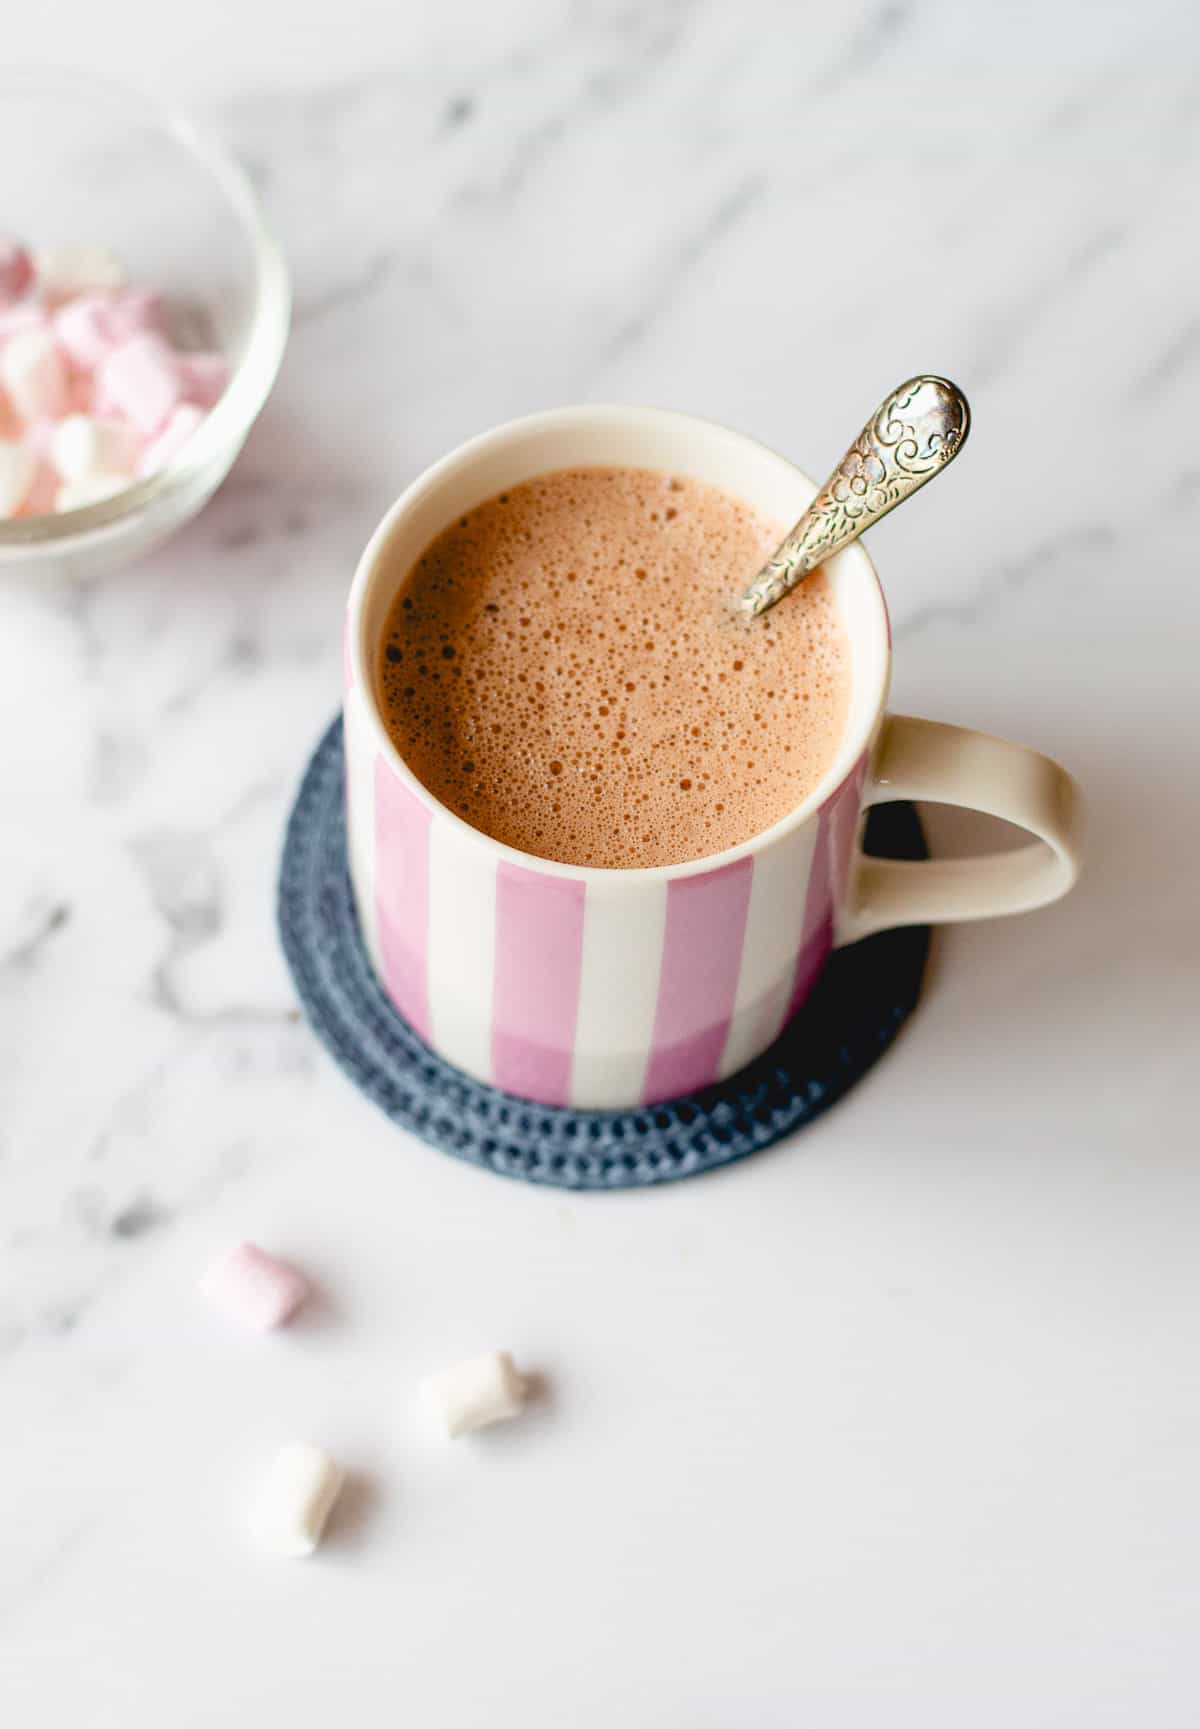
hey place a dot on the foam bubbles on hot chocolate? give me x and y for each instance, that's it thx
(564, 668)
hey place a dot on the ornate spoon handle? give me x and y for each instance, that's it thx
(913, 435)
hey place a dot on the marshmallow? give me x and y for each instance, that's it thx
(140, 380)
(171, 440)
(13, 319)
(16, 270)
(203, 377)
(81, 394)
(17, 469)
(296, 1499)
(132, 310)
(80, 445)
(38, 437)
(92, 392)
(83, 330)
(484, 1390)
(34, 373)
(65, 271)
(87, 489)
(254, 1288)
(91, 325)
(41, 498)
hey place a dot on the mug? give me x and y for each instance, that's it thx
(612, 988)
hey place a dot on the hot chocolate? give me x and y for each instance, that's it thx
(564, 668)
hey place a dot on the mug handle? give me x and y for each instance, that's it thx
(924, 759)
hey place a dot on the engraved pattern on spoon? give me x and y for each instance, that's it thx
(915, 433)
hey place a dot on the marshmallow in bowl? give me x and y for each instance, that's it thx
(203, 377)
(16, 270)
(17, 469)
(81, 445)
(87, 489)
(91, 387)
(140, 379)
(90, 327)
(33, 373)
(65, 271)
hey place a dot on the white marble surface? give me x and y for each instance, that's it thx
(897, 1424)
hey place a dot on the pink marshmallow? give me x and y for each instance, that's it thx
(204, 377)
(82, 329)
(92, 325)
(253, 1287)
(132, 310)
(34, 373)
(39, 500)
(18, 466)
(140, 380)
(38, 436)
(15, 319)
(80, 393)
(16, 270)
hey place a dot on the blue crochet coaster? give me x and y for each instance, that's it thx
(863, 996)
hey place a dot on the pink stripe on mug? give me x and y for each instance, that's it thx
(402, 824)
(702, 955)
(535, 996)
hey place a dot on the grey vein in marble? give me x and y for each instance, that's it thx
(44, 920)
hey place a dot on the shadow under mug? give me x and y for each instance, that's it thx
(608, 988)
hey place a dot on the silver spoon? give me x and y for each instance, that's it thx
(913, 434)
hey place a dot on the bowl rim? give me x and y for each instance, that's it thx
(228, 422)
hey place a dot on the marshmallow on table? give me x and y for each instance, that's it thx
(255, 1288)
(34, 373)
(296, 1499)
(483, 1390)
(17, 469)
(140, 379)
(16, 270)
(81, 445)
(166, 447)
(65, 271)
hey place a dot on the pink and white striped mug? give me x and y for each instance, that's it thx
(613, 988)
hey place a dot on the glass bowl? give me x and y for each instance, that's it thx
(83, 163)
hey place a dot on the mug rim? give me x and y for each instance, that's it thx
(549, 420)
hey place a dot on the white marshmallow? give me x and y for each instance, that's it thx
(17, 468)
(80, 445)
(64, 271)
(483, 1390)
(89, 488)
(295, 1499)
(34, 373)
